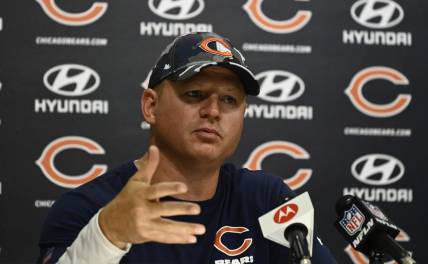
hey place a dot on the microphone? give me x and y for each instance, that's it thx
(292, 225)
(368, 230)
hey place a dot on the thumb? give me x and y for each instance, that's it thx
(148, 166)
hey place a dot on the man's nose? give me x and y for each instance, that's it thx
(211, 107)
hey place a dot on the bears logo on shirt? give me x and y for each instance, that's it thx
(219, 244)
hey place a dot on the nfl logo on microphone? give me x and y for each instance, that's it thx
(352, 221)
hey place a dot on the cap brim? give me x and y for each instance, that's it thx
(247, 78)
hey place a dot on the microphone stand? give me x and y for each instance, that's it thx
(388, 245)
(299, 247)
(375, 257)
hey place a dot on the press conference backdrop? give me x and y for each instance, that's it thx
(342, 107)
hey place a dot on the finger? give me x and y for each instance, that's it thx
(178, 227)
(161, 236)
(163, 189)
(175, 208)
(149, 165)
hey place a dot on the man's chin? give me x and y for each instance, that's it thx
(208, 153)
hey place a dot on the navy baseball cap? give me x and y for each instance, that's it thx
(190, 53)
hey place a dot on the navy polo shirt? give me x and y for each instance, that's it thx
(233, 233)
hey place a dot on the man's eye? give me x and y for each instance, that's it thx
(194, 93)
(229, 100)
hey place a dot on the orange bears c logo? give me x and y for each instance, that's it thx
(218, 243)
(297, 22)
(73, 19)
(216, 46)
(355, 92)
(47, 159)
(281, 147)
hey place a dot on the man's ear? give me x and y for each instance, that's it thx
(149, 100)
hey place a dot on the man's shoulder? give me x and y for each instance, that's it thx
(107, 184)
(256, 184)
(75, 208)
(255, 178)
(102, 189)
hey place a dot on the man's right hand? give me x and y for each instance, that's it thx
(136, 215)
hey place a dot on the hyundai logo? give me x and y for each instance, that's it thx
(279, 86)
(177, 9)
(377, 169)
(377, 14)
(71, 80)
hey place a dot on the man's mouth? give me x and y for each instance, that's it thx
(208, 132)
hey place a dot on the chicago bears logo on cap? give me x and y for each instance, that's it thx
(216, 46)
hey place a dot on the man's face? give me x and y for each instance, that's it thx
(200, 118)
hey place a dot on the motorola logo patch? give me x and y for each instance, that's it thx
(377, 14)
(285, 213)
(71, 80)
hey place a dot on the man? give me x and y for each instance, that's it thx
(178, 203)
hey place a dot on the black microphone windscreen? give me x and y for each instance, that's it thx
(343, 202)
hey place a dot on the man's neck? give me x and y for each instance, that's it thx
(201, 179)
